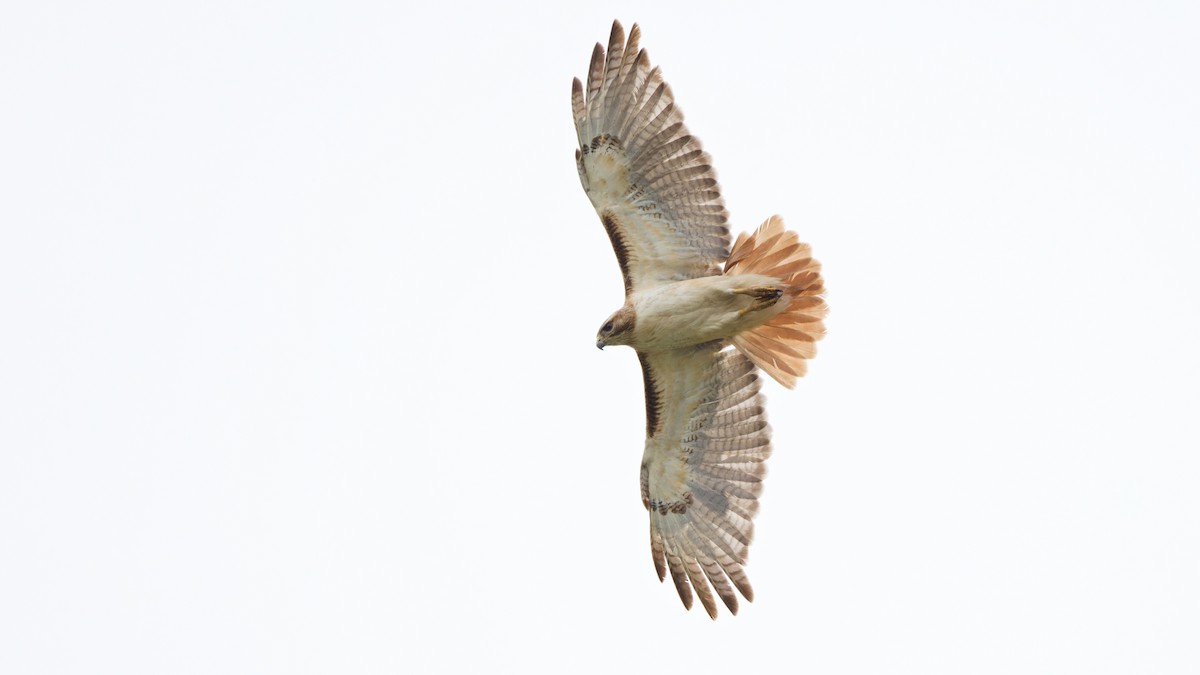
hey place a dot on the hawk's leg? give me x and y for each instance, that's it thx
(763, 297)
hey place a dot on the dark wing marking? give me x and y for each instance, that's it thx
(648, 178)
(702, 471)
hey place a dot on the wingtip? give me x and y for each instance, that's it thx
(686, 600)
(617, 34)
(596, 68)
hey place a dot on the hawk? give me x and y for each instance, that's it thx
(702, 316)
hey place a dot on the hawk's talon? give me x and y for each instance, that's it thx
(764, 297)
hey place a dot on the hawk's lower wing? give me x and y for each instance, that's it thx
(706, 441)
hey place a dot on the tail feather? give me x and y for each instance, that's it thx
(784, 260)
(782, 345)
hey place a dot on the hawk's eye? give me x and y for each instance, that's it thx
(607, 327)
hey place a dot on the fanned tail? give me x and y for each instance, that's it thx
(782, 345)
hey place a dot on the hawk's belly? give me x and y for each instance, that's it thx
(695, 311)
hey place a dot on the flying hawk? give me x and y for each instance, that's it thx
(688, 297)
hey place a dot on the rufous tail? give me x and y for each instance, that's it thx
(782, 345)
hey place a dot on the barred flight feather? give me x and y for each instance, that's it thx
(709, 453)
(644, 173)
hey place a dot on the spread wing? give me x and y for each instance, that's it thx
(706, 441)
(650, 181)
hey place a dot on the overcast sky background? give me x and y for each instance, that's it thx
(297, 370)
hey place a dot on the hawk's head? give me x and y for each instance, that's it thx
(618, 329)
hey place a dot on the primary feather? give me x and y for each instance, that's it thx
(650, 181)
(702, 469)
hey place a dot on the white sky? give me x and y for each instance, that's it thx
(297, 368)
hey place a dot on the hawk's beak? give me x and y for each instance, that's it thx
(599, 344)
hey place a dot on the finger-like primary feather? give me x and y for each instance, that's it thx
(648, 178)
(702, 468)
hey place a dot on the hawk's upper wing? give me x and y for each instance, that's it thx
(706, 441)
(649, 180)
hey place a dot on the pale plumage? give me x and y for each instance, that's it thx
(706, 432)
(702, 468)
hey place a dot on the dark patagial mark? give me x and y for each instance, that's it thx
(613, 228)
(653, 404)
(646, 488)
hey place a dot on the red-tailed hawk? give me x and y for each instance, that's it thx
(688, 297)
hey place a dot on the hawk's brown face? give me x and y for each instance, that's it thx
(617, 330)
